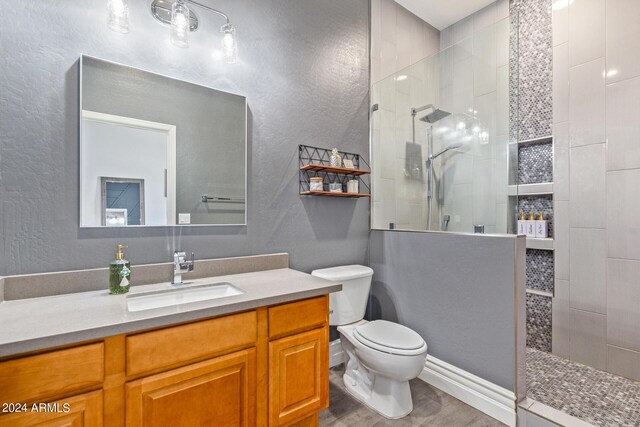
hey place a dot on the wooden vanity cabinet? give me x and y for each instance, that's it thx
(261, 367)
(298, 361)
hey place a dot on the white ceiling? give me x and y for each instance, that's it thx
(442, 13)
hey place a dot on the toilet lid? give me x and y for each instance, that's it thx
(388, 335)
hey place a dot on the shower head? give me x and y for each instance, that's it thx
(434, 116)
(449, 147)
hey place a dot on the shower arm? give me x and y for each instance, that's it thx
(414, 111)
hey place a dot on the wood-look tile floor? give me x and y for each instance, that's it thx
(431, 407)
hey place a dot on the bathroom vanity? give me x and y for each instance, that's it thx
(258, 358)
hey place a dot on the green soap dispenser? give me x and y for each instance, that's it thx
(119, 273)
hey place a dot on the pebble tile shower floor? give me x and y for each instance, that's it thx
(594, 396)
(431, 407)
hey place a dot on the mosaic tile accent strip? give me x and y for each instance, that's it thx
(537, 204)
(513, 76)
(596, 397)
(535, 163)
(539, 322)
(540, 270)
(535, 65)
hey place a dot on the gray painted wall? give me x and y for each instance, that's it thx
(456, 291)
(303, 68)
(210, 132)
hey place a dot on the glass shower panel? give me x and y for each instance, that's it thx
(440, 139)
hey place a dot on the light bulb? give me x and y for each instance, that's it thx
(461, 126)
(229, 43)
(180, 24)
(118, 15)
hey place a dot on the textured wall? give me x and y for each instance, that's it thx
(304, 70)
(458, 292)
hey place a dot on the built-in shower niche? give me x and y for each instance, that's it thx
(531, 192)
(535, 162)
(538, 204)
(531, 183)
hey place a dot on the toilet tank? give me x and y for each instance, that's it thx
(348, 305)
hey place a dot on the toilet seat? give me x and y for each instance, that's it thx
(390, 337)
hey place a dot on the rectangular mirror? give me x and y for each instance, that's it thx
(156, 151)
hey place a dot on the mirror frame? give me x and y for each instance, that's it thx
(79, 117)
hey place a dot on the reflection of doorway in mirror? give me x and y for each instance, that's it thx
(122, 195)
(130, 150)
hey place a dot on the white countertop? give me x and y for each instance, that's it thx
(38, 323)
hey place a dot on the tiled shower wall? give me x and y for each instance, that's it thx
(531, 119)
(596, 121)
(398, 39)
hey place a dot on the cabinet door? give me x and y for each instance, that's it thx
(216, 392)
(84, 410)
(298, 376)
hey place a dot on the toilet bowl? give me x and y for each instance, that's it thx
(381, 356)
(378, 372)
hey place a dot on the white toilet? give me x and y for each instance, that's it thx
(381, 356)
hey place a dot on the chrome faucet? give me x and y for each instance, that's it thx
(181, 265)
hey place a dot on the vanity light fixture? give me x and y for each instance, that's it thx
(181, 19)
(180, 24)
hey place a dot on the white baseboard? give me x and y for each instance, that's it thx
(493, 400)
(336, 355)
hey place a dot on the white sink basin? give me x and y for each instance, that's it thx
(177, 296)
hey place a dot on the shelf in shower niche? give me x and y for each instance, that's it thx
(537, 292)
(333, 169)
(332, 194)
(541, 140)
(530, 189)
(544, 244)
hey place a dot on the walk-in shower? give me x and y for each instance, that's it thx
(439, 140)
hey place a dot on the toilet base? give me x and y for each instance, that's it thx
(390, 398)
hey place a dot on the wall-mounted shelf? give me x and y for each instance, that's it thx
(332, 194)
(316, 162)
(544, 244)
(333, 169)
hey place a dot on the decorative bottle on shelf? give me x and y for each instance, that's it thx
(119, 273)
(542, 230)
(522, 224)
(531, 225)
(336, 159)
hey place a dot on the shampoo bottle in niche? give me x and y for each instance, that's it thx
(542, 230)
(119, 273)
(531, 225)
(522, 224)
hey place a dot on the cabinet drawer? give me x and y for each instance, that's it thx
(287, 319)
(169, 347)
(35, 378)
